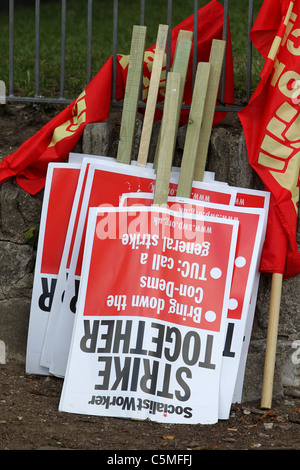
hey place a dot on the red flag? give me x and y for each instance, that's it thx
(267, 23)
(59, 137)
(271, 124)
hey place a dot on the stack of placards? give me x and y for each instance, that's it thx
(165, 297)
(143, 300)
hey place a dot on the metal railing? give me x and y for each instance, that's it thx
(61, 98)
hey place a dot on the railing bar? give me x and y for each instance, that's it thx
(65, 101)
(195, 37)
(249, 51)
(169, 23)
(89, 41)
(142, 15)
(115, 47)
(63, 48)
(11, 47)
(37, 49)
(224, 37)
(38, 99)
(142, 23)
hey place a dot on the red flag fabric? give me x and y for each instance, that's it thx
(267, 23)
(59, 137)
(271, 124)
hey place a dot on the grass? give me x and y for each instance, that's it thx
(76, 53)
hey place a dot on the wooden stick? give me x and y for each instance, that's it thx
(132, 92)
(276, 287)
(216, 61)
(182, 55)
(2, 92)
(270, 357)
(181, 61)
(193, 133)
(180, 65)
(168, 138)
(152, 94)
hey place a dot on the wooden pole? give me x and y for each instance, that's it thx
(132, 93)
(193, 133)
(152, 94)
(276, 286)
(216, 60)
(272, 333)
(168, 138)
(2, 92)
(180, 65)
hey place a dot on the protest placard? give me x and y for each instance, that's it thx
(111, 180)
(51, 328)
(148, 334)
(61, 185)
(259, 199)
(250, 239)
(246, 266)
(105, 184)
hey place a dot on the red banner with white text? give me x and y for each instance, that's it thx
(271, 123)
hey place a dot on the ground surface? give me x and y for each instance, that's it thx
(29, 419)
(29, 416)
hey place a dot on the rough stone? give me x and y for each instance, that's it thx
(98, 139)
(19, 212)
(13, 327)
(227, 158)
(17, 264)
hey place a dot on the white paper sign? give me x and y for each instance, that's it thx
(148, 335)
(61, 183)
(250, 240)
(105, 184)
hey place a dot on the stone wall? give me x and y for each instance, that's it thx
(19, 212)
(227, 157)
